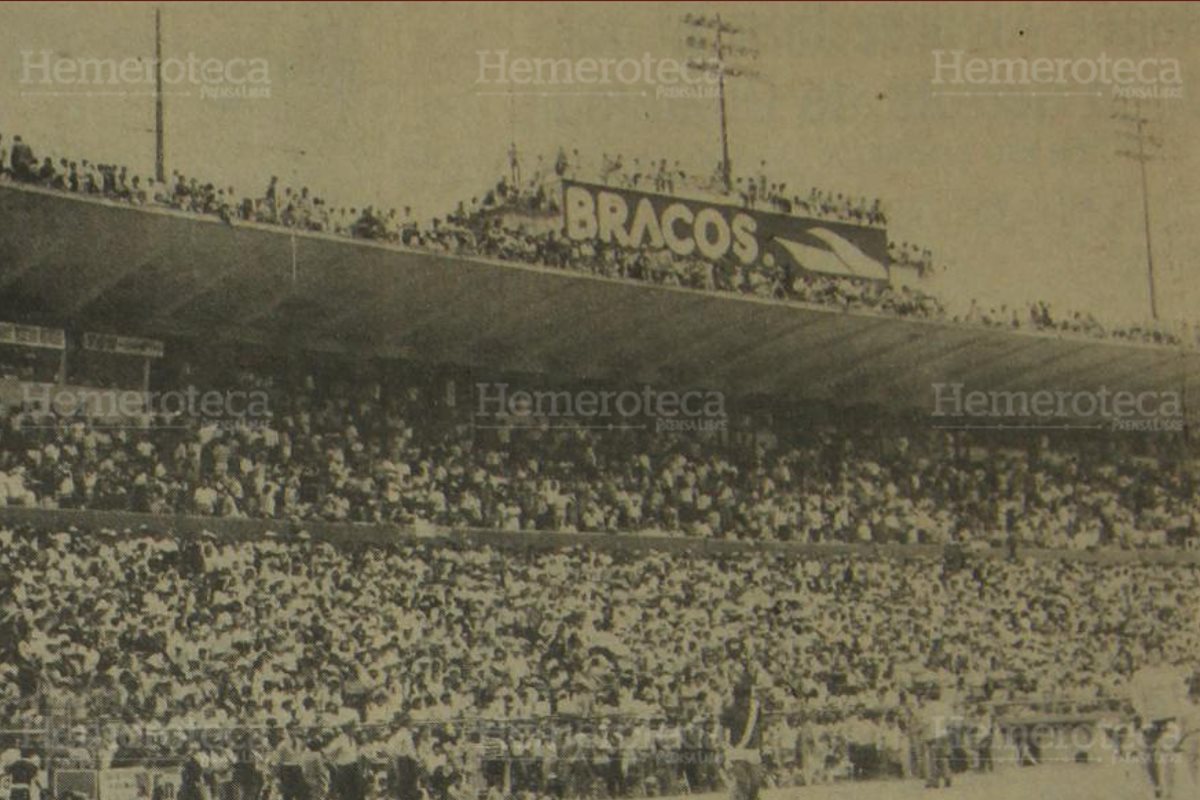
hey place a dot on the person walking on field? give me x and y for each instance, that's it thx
(1159, 692)
(742, 721)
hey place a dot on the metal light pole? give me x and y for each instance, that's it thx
(716, 52)
(726, 165)
(1142, 155)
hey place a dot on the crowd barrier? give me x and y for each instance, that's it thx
(1027, 741)
(121, 783)
(345, 533)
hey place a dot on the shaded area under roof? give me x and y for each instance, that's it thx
(98, 265)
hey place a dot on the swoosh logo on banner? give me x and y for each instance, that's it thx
(842, 257)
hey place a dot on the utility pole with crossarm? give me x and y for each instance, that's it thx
(160, 168)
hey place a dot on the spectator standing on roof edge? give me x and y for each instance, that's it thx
(23, 162)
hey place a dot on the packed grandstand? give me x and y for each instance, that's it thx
(579, 668)
(443, 668)
(508, 221)
(870, 562)
(383, 449)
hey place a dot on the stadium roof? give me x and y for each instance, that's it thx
(98, 265)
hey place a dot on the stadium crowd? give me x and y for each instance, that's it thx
(753, 191)
(362, 450)
(485, 227)
(572, 672)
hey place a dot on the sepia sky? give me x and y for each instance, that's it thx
(1019, 195)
